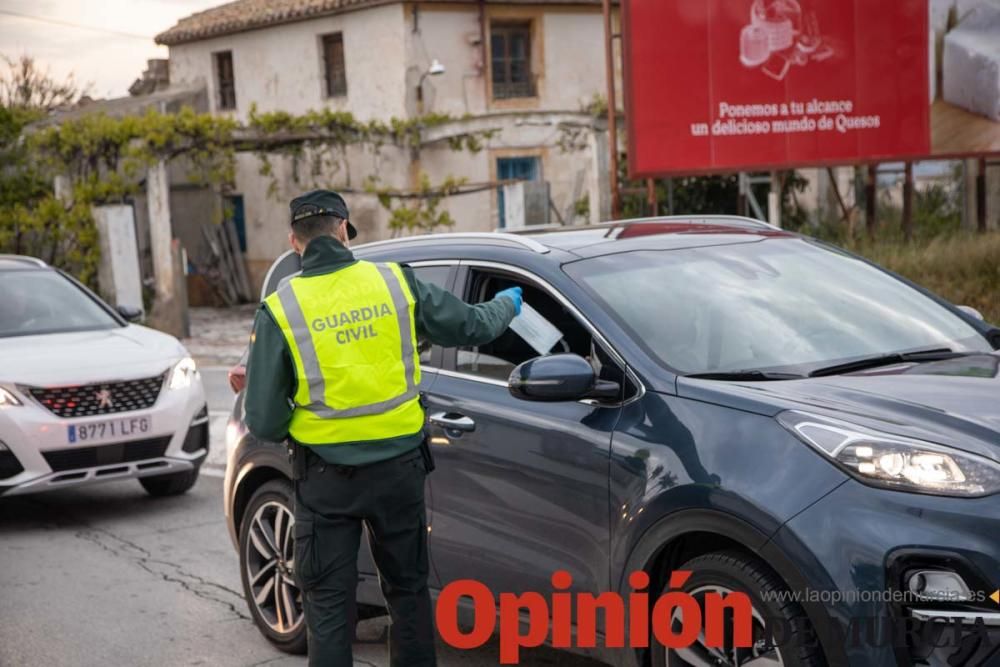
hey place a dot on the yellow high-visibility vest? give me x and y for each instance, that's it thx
(352, 336)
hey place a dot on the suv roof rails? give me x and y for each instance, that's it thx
(706, 219)
(527, 243)
(25, 259)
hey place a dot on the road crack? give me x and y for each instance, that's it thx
(167, 571)
(164, 569)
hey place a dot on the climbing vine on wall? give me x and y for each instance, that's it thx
(417, 210)
(105, 159)
(318, 141)
(273, 129)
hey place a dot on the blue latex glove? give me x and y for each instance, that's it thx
(514, 294)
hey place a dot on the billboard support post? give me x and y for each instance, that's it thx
(774, 200)
(748, 204)
(741, 198)
(871, 192)
(969, 181)
(908, 201)
(981, 196)
(609, 65)
(845, 214)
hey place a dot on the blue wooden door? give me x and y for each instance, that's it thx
(519, 168)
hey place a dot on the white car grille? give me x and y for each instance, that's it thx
(99, 399)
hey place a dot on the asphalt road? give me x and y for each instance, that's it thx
(107, 576)
(220, 405)
(216, 383)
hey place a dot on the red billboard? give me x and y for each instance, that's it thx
(725, 85)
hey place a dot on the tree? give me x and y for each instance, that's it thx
(27, 86)
(32, 220)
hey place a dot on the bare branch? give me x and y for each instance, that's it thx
(26, 85)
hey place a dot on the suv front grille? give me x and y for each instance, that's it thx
(100, 399)
(88, 457)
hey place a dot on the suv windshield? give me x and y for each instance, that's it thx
(783, 304)
(40, 302)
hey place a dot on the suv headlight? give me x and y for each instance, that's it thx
(896, 462)
(7, 399)
(183, 374)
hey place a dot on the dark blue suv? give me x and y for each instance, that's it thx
(775, 415)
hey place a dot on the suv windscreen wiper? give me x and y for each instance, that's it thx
(750, 375)
(935, 354)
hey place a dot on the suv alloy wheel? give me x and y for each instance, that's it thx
(267, 566)
(729, 571)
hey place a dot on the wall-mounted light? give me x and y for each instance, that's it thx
(436, 69)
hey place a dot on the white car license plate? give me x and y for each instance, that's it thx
(110, 430)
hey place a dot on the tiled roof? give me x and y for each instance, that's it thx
(243, 15)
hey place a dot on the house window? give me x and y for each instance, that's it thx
(225, 81)
(333, 65)
(511, 60)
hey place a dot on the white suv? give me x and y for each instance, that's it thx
(87, 397)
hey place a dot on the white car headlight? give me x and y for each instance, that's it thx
(7, 399)
(896, 462)
(183, 374)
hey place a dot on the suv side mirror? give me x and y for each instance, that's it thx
(559, 377)
(130, 313)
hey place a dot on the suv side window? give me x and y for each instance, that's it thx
(436, 275)
(497, 359)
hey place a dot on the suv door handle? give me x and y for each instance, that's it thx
(452, 421)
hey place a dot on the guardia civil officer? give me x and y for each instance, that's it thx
(334, 370)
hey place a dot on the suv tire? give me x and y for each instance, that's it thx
(173, 484)
(735, 571)
(267, 574)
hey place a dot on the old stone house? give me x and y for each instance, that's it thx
(524, 69)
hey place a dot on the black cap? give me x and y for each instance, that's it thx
(321, 202)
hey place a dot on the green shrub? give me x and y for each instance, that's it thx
(963, 268)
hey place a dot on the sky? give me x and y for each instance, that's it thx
(102, 42)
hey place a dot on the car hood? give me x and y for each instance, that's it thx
(954, 402)
(87, 356)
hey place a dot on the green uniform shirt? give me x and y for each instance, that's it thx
(441, 318)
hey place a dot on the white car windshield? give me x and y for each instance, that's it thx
(779, 304)
(41, 302)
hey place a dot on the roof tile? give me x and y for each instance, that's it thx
(243, 15)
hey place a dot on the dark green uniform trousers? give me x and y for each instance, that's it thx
(331, 502)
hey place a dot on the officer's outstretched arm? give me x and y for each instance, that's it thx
(444, 319)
